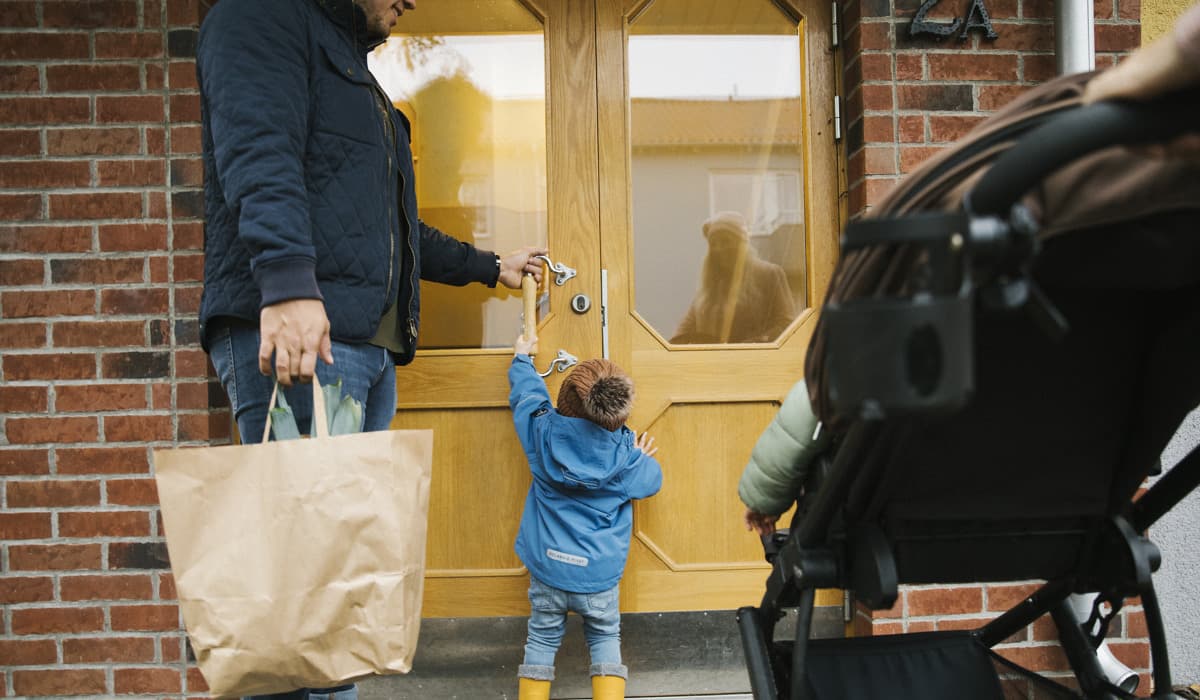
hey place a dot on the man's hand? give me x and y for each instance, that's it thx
(645, 443)
(295, 332)
(519, 262)
(761, 523)
(525, 346)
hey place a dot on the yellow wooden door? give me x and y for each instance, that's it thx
(745, 127)
(688, 175)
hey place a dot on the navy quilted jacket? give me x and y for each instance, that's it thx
(305, 163)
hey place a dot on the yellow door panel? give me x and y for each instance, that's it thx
(476, 493)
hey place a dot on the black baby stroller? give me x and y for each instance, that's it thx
(1008, 344)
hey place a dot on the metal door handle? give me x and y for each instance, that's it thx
(563, 362)
(529, 291)
(564, 273)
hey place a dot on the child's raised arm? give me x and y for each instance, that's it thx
(527, 391)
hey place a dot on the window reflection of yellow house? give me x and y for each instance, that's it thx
(693, 158)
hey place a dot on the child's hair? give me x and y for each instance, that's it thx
(599, 391)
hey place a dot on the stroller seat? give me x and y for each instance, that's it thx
(1002, 357)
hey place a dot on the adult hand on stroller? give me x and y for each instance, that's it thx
(525, 346)
(1165, 65)
(1170, 63)
(645, 443)
(761, 523)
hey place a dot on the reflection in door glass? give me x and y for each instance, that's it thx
(470, 77)
(718, 171)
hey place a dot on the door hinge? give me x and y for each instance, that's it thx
(837, 117)
(835, 39)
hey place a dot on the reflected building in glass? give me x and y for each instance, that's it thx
(717, 173)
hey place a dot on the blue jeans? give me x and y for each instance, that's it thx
(548, 608)
(367, 373)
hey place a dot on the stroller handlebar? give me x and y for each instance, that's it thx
(1077, 133)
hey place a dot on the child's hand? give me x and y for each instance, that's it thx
(645, 443)
(761, 523)
(525, 346)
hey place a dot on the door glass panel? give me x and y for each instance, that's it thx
(717, 162)
(470, 76)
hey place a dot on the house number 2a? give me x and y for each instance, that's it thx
(977, 18)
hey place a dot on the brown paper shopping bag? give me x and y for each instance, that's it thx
(299, 563)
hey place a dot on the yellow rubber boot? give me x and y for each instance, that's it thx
(530, 689)
(608, 688)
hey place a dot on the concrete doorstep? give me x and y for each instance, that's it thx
(671, 656)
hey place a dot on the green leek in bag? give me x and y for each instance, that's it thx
(344, 414)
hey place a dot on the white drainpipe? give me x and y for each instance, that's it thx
(1074, 36)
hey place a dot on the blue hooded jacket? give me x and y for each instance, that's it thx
(578, 518)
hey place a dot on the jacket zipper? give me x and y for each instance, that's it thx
(412, 279)
(387, 117)
(390, 128)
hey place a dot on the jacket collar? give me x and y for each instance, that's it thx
(351, 18)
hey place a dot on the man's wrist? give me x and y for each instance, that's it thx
(496, 279)
(287, 279)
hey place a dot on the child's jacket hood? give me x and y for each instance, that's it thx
(579, 454)
(578, 517)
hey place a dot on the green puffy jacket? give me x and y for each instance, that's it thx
(779, 462)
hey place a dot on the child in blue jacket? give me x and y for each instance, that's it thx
(587, 469)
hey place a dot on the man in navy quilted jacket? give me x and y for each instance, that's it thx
(313, 248)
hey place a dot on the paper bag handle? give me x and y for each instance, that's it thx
(320, 420)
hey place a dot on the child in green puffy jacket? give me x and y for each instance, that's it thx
(779, 462)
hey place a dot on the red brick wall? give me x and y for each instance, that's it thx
(931, 608)
(100, 268)
(906, 99)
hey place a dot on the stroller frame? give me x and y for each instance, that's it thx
(991, 243)
(807, 562)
